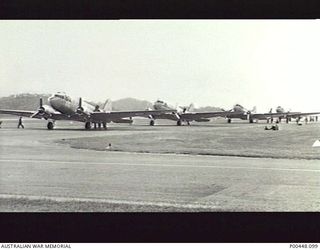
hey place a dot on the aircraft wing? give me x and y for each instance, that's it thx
(299, 114)
(264, 116)
(284, 114)
(168, 116)
(35, 114)
(114, 115)
(197, 116)
(17, 112)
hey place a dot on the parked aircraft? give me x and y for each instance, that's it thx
(62, 107)
(240, 112)
(289, 114)
(183, 114)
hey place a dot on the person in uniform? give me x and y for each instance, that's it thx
(20, 123)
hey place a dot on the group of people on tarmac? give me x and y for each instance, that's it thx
(273, 127)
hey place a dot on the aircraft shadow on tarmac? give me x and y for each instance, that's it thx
(91, 130)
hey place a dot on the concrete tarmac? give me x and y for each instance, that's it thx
(37, 174)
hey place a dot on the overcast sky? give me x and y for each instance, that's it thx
(263, 63)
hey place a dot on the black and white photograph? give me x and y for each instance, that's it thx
(159, 116)
(184, 122)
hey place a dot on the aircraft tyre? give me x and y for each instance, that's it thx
(251, 120)
(104, 124)
(229, 120)
(179, 123)
(152, 123)
(88, 125)
(50, 125)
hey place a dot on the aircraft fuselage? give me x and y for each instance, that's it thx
(65, 105)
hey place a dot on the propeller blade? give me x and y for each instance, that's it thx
(41, 102)
(177, 115)
(34, 114)
(80, 109)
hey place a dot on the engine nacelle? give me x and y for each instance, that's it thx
(203, 120)
(46, 111)
(123, 121)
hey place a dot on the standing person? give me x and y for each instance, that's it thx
(20, 123)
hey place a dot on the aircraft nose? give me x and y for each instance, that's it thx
(50, 99)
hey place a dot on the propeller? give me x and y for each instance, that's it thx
(41, 110)
(97, 108)
(177, 115)
(80, 108)
(183, 109)
(248, 113)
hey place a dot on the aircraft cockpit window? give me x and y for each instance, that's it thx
(62, 96)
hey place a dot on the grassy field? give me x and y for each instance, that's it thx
(242, 139)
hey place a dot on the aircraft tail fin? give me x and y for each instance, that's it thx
(107, 106)
(191, 107)
(254, 109)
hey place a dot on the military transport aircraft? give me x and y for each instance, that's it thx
(289, 114)
(62, 107)
(240, 112)
(183, 114)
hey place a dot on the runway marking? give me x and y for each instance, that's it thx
(111, 201)
(158, 165)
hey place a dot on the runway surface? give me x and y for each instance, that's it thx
(37, 174)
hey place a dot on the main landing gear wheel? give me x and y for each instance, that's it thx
(251, 120)
(50, 125)
(88, 125)
(104, 124)
(229, 120)
(152, 123)
(179, 123)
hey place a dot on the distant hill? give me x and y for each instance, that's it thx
(23, 101)
(130, 104)
(31, 102)
(207, 109)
